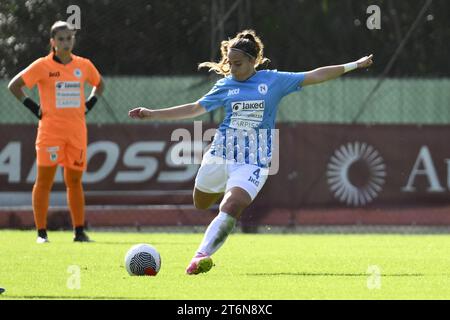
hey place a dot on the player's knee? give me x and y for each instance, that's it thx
(232, 206)
(73, 182)
(201, 205)
(43, 185)
(203, 200)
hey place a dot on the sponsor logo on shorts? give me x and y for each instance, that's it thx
(254, 181)
(53, 153)
(78, 163)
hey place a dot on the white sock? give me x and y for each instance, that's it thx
(216, 233)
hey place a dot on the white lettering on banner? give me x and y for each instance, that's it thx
(148, 164)
(10, 161)
(11, 164)
(32, 174)
(424, 158)
(145, 166)
(178, 156)
(111, 150)
(176, 176)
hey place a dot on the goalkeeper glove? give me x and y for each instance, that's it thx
(33, 106)
(90, 103)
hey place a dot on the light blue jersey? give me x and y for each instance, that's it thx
(245, 135)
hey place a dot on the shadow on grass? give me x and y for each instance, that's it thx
(149, 242)
(68, 298)
(321, 274)
(44, 297)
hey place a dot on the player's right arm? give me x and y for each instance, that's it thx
(16, 87)
(185, 111)
(212, 100)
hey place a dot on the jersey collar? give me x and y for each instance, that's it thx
(249, 78)
(55, 59)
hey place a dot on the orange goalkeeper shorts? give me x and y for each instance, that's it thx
(61, 153)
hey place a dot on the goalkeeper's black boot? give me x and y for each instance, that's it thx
(80, 235)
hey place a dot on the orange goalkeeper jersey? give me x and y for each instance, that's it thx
(62, 99)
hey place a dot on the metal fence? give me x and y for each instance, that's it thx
(148, 52)
(398, 101)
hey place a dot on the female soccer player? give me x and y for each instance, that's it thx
(62, 132)
(250, 99)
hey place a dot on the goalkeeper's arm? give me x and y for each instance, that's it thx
(15, 86)
(96, 92)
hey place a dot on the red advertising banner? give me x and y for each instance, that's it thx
(320, 165)
(361, 166)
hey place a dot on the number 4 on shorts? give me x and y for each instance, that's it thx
(256, 173)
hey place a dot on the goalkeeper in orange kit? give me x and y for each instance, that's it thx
(62, 133)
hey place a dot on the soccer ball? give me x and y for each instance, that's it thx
(142, 260)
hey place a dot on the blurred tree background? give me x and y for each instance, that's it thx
(163, 37)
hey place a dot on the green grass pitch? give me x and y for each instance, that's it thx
(248, 266)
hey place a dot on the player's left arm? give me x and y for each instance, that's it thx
(96, 80)
(332, 72)
(98, 90)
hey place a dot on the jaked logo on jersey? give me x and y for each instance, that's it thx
(246, 114)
